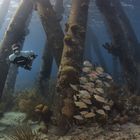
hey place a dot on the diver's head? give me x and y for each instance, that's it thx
(16, 49)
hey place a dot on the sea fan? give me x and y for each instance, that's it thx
(24, 132)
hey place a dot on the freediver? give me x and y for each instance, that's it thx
(22, 59)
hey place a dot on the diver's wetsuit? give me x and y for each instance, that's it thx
(24, 59)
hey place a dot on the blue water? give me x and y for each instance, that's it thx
(36, 39)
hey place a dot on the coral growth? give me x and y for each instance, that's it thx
(43, 112)
(68, 40)
(68, 108)
(126, 106)
(70, 73)
(26, 102)
(69, 70)
(75, 28)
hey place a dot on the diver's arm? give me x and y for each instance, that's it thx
(30, 54)
(33, 55)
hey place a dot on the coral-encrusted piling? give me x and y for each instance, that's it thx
(71, 62)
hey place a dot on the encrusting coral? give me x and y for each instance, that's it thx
(43, 113)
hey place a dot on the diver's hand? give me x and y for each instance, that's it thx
(33, 56)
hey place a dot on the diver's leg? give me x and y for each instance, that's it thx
(28, 65)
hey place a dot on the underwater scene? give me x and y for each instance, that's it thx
(69, 69)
